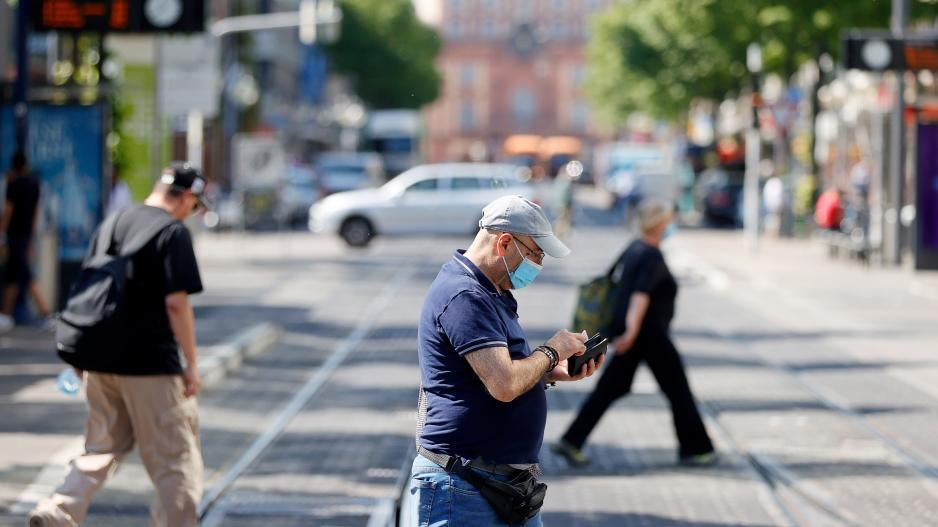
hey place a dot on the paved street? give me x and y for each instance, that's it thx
(817, 379)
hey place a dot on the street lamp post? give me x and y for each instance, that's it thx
(753, 153)
(900, 15)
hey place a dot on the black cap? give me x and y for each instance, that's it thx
(182, 176)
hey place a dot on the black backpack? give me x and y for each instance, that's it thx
(89, 331)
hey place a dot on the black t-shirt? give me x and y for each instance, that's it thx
(643, 270)
(23, 195)
(164, 266)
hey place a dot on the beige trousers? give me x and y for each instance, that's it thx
(152, 412)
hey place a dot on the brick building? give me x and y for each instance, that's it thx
(509, 68)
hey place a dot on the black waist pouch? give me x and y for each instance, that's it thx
(514, 501)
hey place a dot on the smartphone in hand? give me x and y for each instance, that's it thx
(595, 346)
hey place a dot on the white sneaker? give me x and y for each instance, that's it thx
(49, 515)
(6, 323)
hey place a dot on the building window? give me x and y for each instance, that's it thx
(559, 30)
(467, 76)
(489, 5)
(523, 8)
(579, 75)
(523, 106)
(467, 116)
(489, 29)
(579, 116)
(455, 29)
(559, 4)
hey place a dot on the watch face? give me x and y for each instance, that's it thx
(876, 54)
(163, 13)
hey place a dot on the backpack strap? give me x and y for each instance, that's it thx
(106, 235)
(137, 241)
(611, 275)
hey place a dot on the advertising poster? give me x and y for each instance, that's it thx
(66, 150)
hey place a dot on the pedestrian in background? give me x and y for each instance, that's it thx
(17, 228)
(563, 200)
(483, 408)
(146, 395)
(641, 322)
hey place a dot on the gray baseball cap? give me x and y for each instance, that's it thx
(517, 215)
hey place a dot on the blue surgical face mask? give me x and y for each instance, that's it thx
(525, 273)
(669, 231)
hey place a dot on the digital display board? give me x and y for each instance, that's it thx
(877, 51)
(129, 16)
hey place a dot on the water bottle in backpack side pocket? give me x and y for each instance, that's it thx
(69, 382)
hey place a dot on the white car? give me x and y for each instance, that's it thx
(428, 199)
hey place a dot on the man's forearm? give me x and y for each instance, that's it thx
(182, 322)
(529, 372)
(504, 378)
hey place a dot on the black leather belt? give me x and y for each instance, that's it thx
(446, 462)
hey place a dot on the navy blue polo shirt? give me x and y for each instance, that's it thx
(464, 312)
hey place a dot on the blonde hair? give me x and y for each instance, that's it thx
(652, 212)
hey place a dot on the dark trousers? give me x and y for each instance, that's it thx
(666, 365)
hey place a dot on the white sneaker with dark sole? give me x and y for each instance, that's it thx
(48, 515)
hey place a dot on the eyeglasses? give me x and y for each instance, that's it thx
(198, 204)
(538, 255)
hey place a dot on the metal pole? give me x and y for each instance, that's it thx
(751, 177)
(751, 189)
(156, 142)
(21, 88)
(900, 16)
(263, 69)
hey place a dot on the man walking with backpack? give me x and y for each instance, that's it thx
(139, 390)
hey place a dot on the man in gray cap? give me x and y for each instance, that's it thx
(482, 406)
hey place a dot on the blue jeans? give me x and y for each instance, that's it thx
(436, 498)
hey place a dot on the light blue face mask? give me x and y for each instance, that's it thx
(669, 231)
(526, 272)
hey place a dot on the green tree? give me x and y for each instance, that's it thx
(388, 53)
(658, 55)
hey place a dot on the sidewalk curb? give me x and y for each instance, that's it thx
(215, 362)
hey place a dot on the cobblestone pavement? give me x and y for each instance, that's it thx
(821, 373)
(817, 379)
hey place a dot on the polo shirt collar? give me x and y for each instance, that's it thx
(471, 268)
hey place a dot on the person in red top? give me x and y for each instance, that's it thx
(829, 209)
